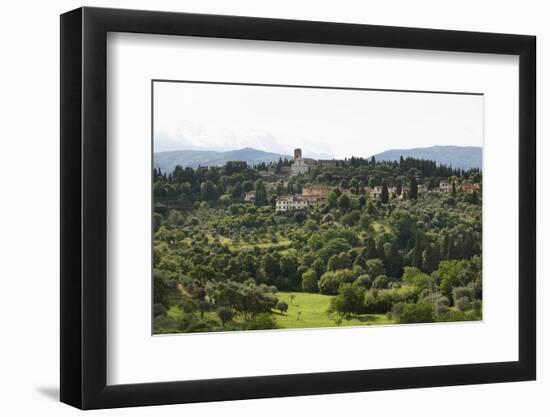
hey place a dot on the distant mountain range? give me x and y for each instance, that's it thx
(458, 156)
(167, 161)
(463, 157)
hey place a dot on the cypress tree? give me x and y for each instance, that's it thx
(384, 196)
(417, 252)
(430, 258)
(370, 248)
(413, 193)
(261, 193)
(394, 262)
(475, 200)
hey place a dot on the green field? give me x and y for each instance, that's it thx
(308, 310)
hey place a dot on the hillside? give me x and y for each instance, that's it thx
(167, 161)
(464, 157)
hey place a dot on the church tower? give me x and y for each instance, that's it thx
(297, 153)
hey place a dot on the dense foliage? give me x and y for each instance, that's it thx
(220, 262)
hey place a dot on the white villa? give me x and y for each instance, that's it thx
(291, 203)
(250, 196)
(445, 186)
(375, 192)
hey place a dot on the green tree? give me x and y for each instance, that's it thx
(248, 186)
(394, 262)
(404, 225)
(282, 307)
(455, 273)
(365, 222)
(349, 300)
(332, 199)
(262, 321)
(380, 282)
(422, 312)
(208, 190)
(299, 217)
(333, 247)
(430, 258)
(261, 193)
(413, 188)
(351, 219)
(341, 261)
(417, 279)
(344, 202)
(370, 248)
(175, 218)
(384, 197)
(270, 266)
(375, 267)
(288, 265)
(331, 281)
(237, 190)
(417, 254)
(310, 280)
(225, 315)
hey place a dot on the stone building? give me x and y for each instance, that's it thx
(301, 165)
(471, 187)
(316, 193)
(290, 203)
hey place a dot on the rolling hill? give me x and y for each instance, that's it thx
(464, 157)
(167, 161)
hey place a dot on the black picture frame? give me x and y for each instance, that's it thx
(84, 207)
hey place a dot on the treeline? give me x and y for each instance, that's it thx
(236, 178)
(426, 167)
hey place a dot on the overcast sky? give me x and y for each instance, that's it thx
(328, 123)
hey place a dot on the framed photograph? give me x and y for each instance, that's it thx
(257, 208)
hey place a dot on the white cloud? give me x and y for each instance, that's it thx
(339, 123)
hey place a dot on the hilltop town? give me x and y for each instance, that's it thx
(314, 194)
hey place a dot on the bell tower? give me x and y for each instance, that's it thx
(297, 153)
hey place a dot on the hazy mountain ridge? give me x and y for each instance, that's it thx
(463, 157)
(168, 160)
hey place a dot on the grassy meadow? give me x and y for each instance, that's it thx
(306, 310)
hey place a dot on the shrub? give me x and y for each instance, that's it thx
(462, 292)
(375, 267)
(463, 304)
(397, 310)
(363, 281)
(263, 321)
(422, 312)
(281, 306)
(380, 282)
(477, 305)
(415, 278)
(378, 302)
(330, 281)
(164, 324)
(158, 310)
(349, 300)
(310, 281)
(225, 314)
